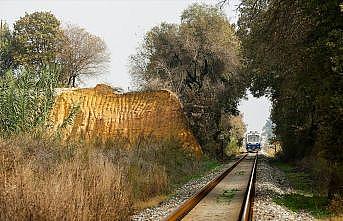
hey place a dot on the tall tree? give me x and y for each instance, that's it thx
(293, 51)
(36, 39)
(199, 60)
(6, 46)
(267, 130)
(82, 54)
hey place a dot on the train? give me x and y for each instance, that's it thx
(253, 141)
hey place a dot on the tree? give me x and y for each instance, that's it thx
(82, 54)
(199, 60)
(267, 131)
(293, 53)
(238, 128)
(36, 40)
(233, 130)
(6, 46)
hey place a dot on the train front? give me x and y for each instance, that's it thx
(253, 141)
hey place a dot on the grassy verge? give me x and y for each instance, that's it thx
(44, 179)
(203, 167)
(304, 198)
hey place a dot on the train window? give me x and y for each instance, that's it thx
(253, 138)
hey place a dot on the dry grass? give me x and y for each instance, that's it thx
(336, 206)
(154, 201)
(42, 179)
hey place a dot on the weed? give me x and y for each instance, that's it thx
(227, 195)
(240, 173)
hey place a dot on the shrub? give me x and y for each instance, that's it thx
(232, 147)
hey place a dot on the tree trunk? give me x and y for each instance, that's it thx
(74, 77)
(70, 80)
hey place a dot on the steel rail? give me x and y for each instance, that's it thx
(247, 206)
(187, 206)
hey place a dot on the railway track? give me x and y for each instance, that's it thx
(229, 196)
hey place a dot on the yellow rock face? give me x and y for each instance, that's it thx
(101, 113)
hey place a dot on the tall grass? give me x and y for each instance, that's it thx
(26, 98)
(42, 179)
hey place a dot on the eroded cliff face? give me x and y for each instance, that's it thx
(100, 113)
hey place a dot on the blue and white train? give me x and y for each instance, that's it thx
(253, 141)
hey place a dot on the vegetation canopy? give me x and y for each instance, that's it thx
(293, 53)
(199, 59)
(38, 40)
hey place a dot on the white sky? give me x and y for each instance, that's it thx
(122, 25)
(255, 111)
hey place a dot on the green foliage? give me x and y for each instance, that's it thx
(199, 61)
(233, 129)
(25, 99)
(293, 53)
(6, 47)
(36, 39)
(232, 147)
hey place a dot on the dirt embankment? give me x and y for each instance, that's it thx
(101, 113)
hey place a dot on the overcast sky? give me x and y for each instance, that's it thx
(122, 25)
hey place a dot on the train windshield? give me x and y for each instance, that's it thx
(253, 138)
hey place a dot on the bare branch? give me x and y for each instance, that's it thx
(82, 54)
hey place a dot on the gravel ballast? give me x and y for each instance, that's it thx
(180, 195)
(271, 181)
